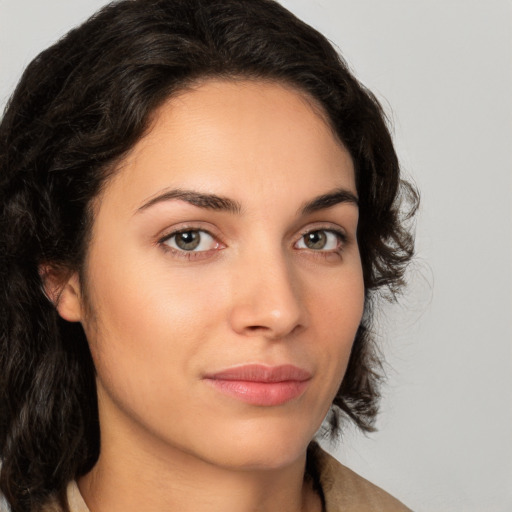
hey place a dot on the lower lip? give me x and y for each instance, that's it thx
(265, 394)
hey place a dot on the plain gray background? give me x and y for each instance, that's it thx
(443, 70)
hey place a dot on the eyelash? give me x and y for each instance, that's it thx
(191, 255)
(341, 237)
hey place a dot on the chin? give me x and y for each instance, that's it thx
(260, 445)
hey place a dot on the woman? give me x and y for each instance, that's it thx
(199, 206)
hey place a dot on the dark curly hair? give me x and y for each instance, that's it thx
(79, 107)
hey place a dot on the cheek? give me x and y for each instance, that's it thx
(336, 309)
(134, 293)
(154, 322)
(338, 303)
(147, 336)
(146, 323)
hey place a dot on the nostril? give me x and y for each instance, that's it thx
(253, 328)
(270, 332)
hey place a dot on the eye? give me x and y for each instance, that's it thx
(191, 240)
(320, 240)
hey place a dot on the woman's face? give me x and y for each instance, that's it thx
(224, 283)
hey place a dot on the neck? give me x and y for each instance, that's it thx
(133, 474)
(131, 484)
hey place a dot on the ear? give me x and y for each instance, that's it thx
(63, 290)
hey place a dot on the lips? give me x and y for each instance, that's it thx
(261, 385)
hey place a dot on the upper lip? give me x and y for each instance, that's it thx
(262, 373)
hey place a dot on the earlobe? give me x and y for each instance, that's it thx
(63, 293)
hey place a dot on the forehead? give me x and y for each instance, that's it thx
(244, 137)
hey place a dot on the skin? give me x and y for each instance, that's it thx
(158, 319)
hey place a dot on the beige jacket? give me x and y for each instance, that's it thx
(344, 491)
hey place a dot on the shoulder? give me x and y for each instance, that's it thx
(344, 490)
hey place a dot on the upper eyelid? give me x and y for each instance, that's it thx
(337, 229)
(166, 234)
(185, 230)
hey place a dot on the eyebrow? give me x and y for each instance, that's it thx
(201, 200)
(329, 200)
(220, 203)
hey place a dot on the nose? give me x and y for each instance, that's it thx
(267, 298)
